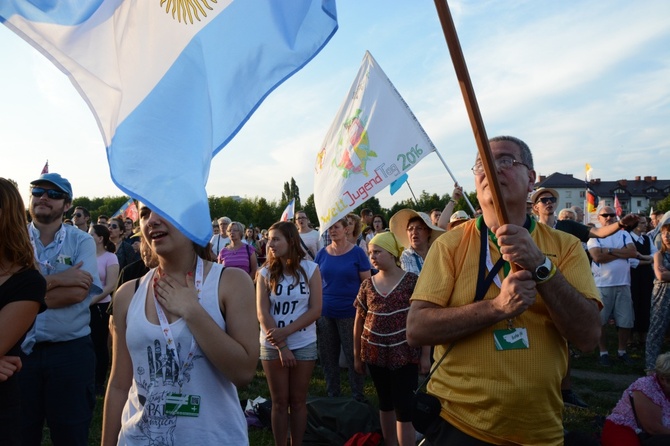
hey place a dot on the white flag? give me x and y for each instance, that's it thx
(374, 139)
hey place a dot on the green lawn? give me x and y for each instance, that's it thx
(600, 387)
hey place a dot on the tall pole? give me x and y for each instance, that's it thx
(473, 108)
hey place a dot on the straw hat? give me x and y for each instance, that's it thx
(398, 226)
(543, 190)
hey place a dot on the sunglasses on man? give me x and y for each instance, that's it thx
(607, 215)
(54, 194)
(547, 200)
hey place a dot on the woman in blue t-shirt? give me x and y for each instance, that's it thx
(343, 267)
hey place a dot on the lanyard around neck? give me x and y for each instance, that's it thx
(59, 238)
(485, 262)
(167, 331)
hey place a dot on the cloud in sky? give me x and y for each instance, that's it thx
(579, 81)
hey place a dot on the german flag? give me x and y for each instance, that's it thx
(591, 201)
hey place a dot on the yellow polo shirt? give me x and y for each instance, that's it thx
(509, 397)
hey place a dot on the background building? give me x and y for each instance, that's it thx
(638, 195)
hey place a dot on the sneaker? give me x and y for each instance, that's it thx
(570, 398)
(625, 359)
(605, 360)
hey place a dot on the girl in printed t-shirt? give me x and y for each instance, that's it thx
(380, 339)
(288, 301)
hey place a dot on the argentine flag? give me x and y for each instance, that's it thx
(172, 82)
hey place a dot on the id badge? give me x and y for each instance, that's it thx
(182, 405)
(511, 339)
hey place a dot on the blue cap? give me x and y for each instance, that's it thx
(57, 180)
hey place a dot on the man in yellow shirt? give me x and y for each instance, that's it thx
(508, 330)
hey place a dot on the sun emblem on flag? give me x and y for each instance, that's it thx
(187, 9)
(354, 147)
(319, 160)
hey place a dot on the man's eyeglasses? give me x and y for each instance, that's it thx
(54, 194)
(113, 226)
(607, 215)
(78, 215)
(502, 163)
(128, 223)
(547, 200)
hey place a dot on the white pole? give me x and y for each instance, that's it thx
(453, 178)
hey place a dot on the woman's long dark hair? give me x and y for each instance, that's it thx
(294, 255)
(102, 231)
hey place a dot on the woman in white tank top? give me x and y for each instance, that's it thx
(177, 358)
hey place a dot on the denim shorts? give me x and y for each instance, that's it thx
(306, 353)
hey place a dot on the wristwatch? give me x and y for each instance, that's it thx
(543, 272)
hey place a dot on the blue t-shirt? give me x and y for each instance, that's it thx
(341, 281)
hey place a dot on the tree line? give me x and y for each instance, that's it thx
(260, 212)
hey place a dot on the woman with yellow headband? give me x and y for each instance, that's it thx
(380, 342)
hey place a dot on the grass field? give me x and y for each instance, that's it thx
(598, 386)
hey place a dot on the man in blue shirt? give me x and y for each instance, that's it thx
(57, 379)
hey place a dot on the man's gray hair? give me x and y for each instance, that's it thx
(526, 156)
(225, 220)
(567, 212)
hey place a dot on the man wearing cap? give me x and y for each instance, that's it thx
(57, 379)
(415, 231)
(503, 301)
(611, 271)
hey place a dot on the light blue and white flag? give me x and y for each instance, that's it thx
(171, 83)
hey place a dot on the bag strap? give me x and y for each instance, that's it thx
(306, 248)
(484, 281)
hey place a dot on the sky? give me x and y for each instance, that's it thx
(580, 82)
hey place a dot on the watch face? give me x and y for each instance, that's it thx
(542, 272)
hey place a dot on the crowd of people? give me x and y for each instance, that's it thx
(489, 310)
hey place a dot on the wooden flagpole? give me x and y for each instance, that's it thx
(473, 108)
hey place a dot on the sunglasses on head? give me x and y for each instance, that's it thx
(607, 215)
(547, 200)
(54, 194)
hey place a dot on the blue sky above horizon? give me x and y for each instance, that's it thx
(580, 82)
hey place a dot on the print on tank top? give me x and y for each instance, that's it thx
(159, 383)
